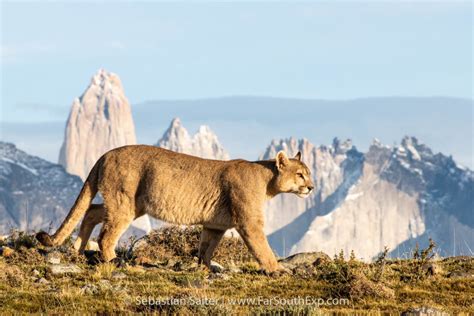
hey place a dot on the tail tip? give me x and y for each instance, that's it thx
(45, 239)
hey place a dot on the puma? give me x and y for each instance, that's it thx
(182, 189)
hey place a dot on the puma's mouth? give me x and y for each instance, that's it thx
(303, 195)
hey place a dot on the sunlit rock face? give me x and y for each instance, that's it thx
(100, 120)
(204, 143)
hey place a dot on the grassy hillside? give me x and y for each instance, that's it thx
(161, 274)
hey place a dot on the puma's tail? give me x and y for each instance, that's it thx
(83, 201)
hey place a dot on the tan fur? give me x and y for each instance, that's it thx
(182, 189)
(94, 216)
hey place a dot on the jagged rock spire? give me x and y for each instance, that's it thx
(100, 120)
(203, 144)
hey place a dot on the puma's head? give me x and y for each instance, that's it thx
(293, 175)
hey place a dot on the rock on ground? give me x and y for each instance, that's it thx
(424, 311)
(216, 268)
(58, 269)
(53, 257)
(304, 258)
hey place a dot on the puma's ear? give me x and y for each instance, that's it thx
(298, 156)
(281, 160)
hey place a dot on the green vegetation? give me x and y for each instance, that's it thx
(163, 267)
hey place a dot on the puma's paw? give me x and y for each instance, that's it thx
(276, 272)
(283, 269)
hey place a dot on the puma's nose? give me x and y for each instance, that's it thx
(310, 188)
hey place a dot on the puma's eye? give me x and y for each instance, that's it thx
(299, 174)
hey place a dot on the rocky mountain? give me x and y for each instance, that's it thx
(34, 193)
(202, 144)
(389, 196)
(100, 120)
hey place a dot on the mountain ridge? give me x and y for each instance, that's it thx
(406, 185)
(34, 193)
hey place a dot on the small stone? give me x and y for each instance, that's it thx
(64, 269)
(118, 275)
(90, 289)
(216, 268)
(36, 272)
(424, 311)
(7, 252)
(53, 257)
(171, 263)
(42, 281)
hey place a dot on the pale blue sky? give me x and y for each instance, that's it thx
(191, 50)
(331, 50)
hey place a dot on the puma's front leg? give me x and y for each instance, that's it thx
(252, 233)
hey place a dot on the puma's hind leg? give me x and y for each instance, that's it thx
(94, 216)
(209, 241)
(120, 213)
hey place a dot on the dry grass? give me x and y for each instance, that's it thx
(181, 244)
(104, 271)
(28, 286)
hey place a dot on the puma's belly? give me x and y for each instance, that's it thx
(185, 209)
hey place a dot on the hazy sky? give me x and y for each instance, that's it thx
(334, 50)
